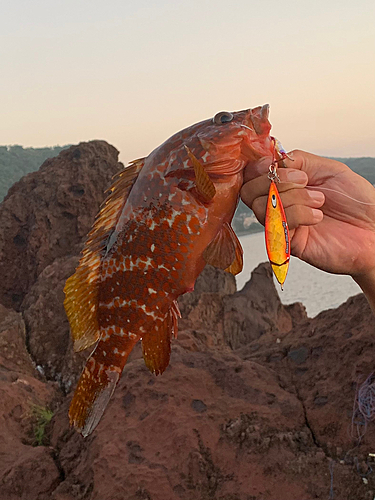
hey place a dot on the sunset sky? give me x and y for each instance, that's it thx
(133, 72)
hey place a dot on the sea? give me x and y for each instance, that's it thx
(316, 289)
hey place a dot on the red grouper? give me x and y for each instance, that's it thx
(165, 218)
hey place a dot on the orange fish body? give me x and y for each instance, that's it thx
(277, 235)
(166, 217)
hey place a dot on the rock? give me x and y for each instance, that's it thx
(170, 438)
(211, 280)
(256, 404)
(49, 340)
(47, 214)
(255, 310)
(13, 353)
(298, 356)
(33, 475)
(25, 472)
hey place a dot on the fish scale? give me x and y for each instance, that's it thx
(166, 217)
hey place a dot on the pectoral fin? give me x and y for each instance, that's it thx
(237, 265)
(225, 251)
(204, 185)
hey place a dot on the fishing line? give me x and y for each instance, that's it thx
(342, 194)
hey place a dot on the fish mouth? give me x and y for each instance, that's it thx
(257, 142)
(258, 118)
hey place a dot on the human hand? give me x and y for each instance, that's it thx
(330, 212)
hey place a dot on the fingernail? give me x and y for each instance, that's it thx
(297, 176)
(316, 195)
(317, 214)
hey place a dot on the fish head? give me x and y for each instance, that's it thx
(228, 142)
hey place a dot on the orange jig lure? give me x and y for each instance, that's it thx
(276, 226)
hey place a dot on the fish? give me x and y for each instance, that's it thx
(166, 216)
(276, 225)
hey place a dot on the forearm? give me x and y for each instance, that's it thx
(367, 284)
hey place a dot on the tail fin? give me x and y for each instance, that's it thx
(92, 395)
(95, 387)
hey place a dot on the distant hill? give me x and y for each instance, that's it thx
(16, 161)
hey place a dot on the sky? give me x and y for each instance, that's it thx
(133, 72)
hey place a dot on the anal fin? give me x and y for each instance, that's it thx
(225, 251)
(156, 345)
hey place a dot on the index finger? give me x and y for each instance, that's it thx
(316, 167)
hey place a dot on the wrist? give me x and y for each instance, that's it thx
(367, 284)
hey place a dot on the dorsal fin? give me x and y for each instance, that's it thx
(81, 289)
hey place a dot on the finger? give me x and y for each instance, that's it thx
(300, 215)
(259, 186)
(312, 199)
(316, 167)
(300, 208)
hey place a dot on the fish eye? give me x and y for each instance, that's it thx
(273, 201)
(222, 117)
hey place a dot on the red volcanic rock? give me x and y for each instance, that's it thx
(13, 354)
(256, 404)
(48, 213)
(205, 429)
(325, 359)
(47, 326)
(25, 472)
(255, 310)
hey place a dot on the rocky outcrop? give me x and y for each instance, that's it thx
(48, 213)
(25, 471)
(47, 326)
(256, 403)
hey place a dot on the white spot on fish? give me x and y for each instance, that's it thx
(162, 266)
(205, 156)
(152, 247)
(151, 290)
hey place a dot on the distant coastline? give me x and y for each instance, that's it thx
(17, 161)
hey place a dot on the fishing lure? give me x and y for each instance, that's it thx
(276, 226)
